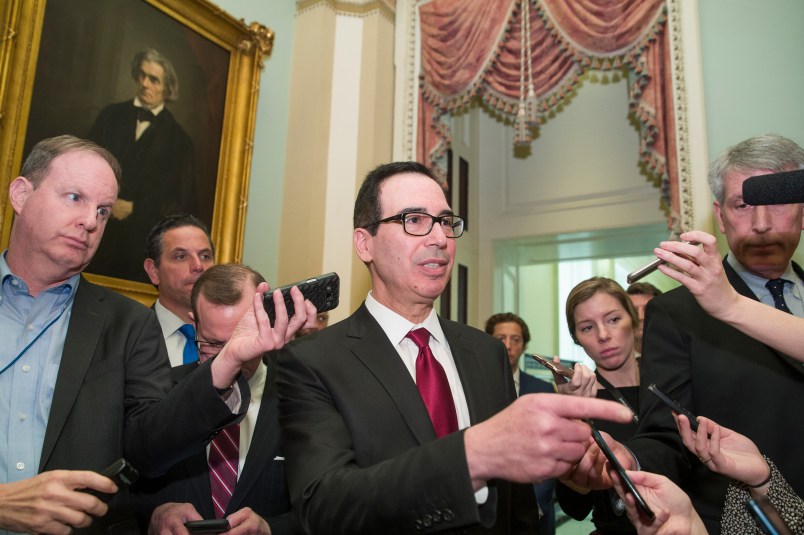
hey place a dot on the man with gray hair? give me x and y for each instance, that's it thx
(156, 155)
(713, 369)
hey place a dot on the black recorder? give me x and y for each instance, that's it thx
(322, 291)
(122, 473)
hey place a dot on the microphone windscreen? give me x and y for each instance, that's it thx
(776, 188)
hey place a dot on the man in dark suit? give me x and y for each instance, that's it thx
(156, 155)
(84, 377)
(513, 332)
(260, 499)
(177, 251)
(713, 369)
(397, 421)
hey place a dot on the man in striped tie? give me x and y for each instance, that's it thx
(241, 475)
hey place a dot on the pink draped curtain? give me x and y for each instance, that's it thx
(473, 50)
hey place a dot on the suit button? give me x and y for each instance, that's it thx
(419, 525)
(427, 520)
(437, 517)
(449, 516)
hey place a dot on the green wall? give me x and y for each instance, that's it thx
(753, 80)
(261, 245)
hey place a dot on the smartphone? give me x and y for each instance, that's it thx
(322, 291)
(216, 525)
(767, 517)
(676, 406)
(650, 268)
(626, 481)
(565, 371)
(122, 473)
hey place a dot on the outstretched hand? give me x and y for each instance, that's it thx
(724, 451)
(673, 509)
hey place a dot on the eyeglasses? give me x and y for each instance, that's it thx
(209, 349)
(421, 223)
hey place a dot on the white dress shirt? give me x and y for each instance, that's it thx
(174, 339)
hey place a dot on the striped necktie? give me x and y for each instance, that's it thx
(224, 456)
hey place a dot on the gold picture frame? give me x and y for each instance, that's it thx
(225, 54)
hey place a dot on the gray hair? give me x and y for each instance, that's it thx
(770, 152)
(171, 81)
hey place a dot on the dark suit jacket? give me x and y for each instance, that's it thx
(715, 371)
(362, 456)
(262, 485)
(113, 397)
(546, 489)
(158, 176)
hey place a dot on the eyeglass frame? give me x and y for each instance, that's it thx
(216, 345)
(400, 218)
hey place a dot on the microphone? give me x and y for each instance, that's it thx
(776, 188)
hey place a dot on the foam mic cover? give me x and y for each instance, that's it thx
(776, 188)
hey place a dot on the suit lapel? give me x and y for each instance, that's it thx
(371, 346)
(470, 370)
(83, 332)
(742, 288)
(264, 441)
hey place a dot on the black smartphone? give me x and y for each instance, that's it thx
(767, 517)
(676, 406)
(216, 525)
(322, 291)
(122, 473)
(565, 371)
(626, 481)
(650, 268)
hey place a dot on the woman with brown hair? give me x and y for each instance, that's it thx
(602, 319)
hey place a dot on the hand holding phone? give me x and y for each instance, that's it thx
(555, 367)
(323, 291)
(615, 463)
(650, 268)
(215, 525)
(676, 406)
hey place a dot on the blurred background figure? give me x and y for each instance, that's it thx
(321, 321)
(603, 320)
(640, 293)
(512, 331)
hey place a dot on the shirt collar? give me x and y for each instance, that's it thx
(396, 326)
(6, 275)
(756, 283)
(169, 321)
(156, 110)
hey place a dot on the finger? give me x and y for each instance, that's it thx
(592, 408)
(280, 314)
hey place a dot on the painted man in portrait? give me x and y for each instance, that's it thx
(157, 159)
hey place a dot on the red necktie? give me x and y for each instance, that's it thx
(433, 386)
(224, 455)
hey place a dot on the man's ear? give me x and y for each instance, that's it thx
(18, 192)
(151, 270)
(719, 216)
(192, 320)
(363, 242)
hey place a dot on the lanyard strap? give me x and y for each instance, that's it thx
(32, 342)
(617, 395)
